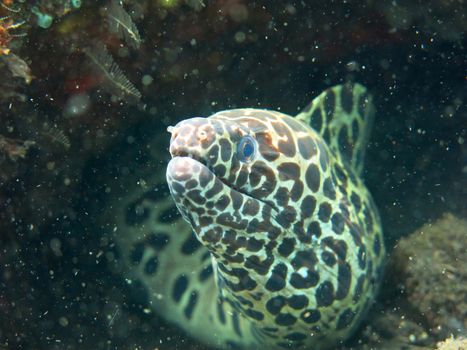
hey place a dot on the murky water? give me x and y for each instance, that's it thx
(89, 133)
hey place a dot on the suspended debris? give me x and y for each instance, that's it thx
(14, 148)
(120, 23)
(58, 136)
(113, 79)
(18, 67)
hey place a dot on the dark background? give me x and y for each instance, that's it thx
(55, 288)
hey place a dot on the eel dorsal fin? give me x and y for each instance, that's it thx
(343, 116)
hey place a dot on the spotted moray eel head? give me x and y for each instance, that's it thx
(239, 176)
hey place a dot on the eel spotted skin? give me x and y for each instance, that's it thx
(279, 243)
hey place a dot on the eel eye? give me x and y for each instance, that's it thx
(247, 149)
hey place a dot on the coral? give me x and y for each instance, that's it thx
(453, 344)
(431, 267)
(9, 25)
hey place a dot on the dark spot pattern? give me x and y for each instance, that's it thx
(362, 104)
(377, 245)
(312, 177)
(266, 148)
(245, 281)
(316, 121)
(220, 311)
(296, 336)
(329, 104)
(288, 171)
(324, 212)
(361, 257)
(356, 233)
(340, 174)
(338, 223)
(345, 319)
(310, 316)
(308, 206)
(355, 130)
(215, 189)
(328, 189)
(226, 150)
(169, 215)
(237, 199)
(339, 247)
(306, 258)
(277, 280)
(286, 247)
(299, 282)
(345, 147)
(151, 265)
(368, 221)
(314, 229)
(179, 288)
(344, 279)
(356, 201)
(297, 191)
(260, 266)
(136, 214)
(213, 153)
(158, 240)
(188, 311)
(324, 294)
(347, 98)
(254, 245)
(358, 290)
(230, 344)
(250, 207)
(298, 302)
(282, 196)
(190, 245)
(236, 324)
(275, 305)
(285, 319)
(256, 315)
(328, 258)
(220, 170)
(136, 253)
(306, 147)
(206, 273)
(287, 146)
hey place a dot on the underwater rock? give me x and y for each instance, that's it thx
(388, 328)
(430, 268)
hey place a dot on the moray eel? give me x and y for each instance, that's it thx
(279, 243)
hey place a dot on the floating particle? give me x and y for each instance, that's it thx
(147, 80)
(120, 23)
(77, 105)
(112, 77)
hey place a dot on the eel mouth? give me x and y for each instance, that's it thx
(196, 159)
(182, 153)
